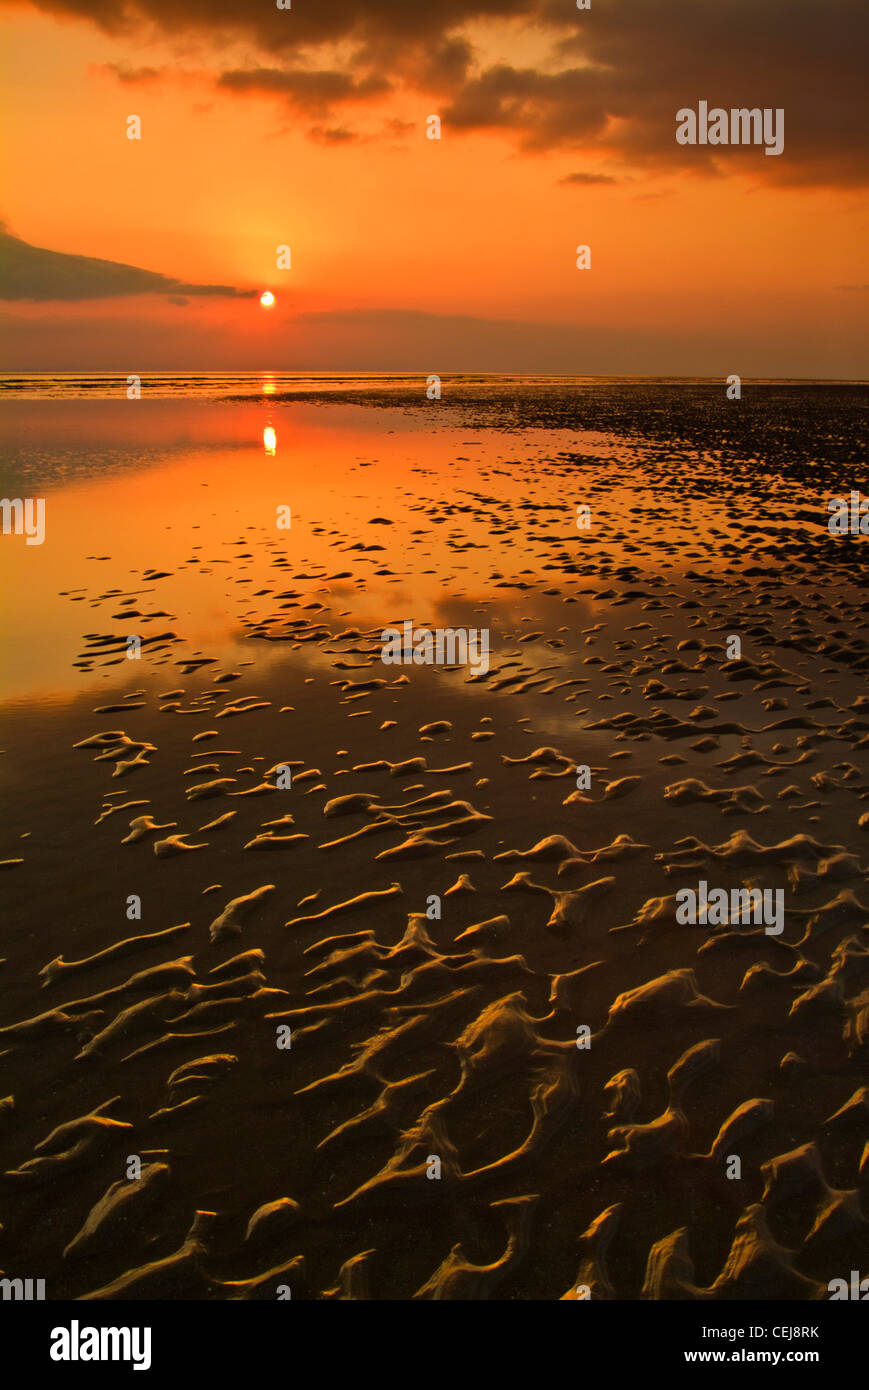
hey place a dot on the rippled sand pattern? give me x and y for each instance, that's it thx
(423, 1023)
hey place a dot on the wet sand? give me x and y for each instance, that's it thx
(341, 1036)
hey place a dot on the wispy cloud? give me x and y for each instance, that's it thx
(310, 92)
(583, 178)
(130, 77)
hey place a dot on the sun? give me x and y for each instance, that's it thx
(267, 299)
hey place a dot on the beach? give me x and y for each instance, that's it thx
(362, 978)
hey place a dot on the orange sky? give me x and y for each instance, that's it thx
(692, 272)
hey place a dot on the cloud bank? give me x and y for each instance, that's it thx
(611, 82)
(33, 273)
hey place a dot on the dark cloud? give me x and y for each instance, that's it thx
(331, 135)
(438, 68)
(804, 57)
(30, 272)
(613, 80)
(306, 24)
(544, 109)
(642, 62)
(311, 92)
(588, 178)
(129, 76)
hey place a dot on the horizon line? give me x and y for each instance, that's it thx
(422, 375)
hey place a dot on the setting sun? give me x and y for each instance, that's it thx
(267, 299)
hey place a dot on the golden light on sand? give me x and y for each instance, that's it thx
(269, 386)
(267, 299)
(270, 439)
